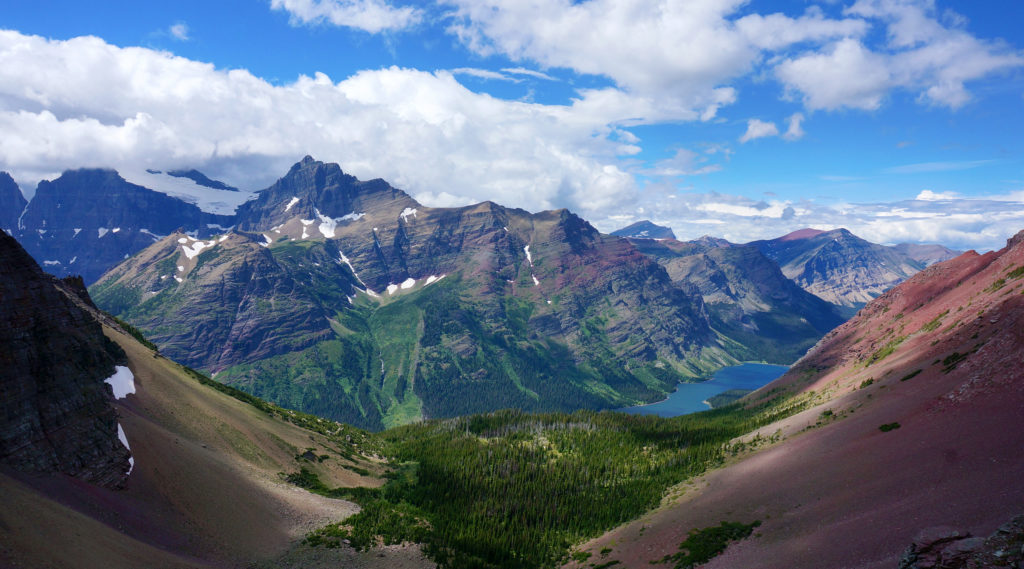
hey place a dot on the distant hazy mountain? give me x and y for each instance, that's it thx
(927, 254)
(838, 266)
(349, 299)
(645, 230)
(747, 296)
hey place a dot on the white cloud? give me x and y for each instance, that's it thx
(84, 102)
(179, 31)
(795, 129)
(483, 74)
(372, 16)
(757, 128)
(849, 75)
(529, 72)
(922, 54)
(680, 54)
(968, 223)
(949, 166)
(928, 195)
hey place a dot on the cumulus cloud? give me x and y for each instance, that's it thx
(924, 53)
(682, 54)
(371, 16)
(757, 128)
(84, 102)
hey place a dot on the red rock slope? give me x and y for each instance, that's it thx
(942, 355)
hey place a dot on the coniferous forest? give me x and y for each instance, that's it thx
(517, 490)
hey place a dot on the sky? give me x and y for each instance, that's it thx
(897, 119)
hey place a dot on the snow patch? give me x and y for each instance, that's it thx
(51, 263)
(406, 213)
(115, 230)
(529, 257)
(196, 247)
(432, 279)
(408, 283)
(77, 231)
(305, 235)
(122, 382)
(392, 288)
(182, 240)
(269, 240)
(327, 225)
(41, 231)
(102, 231)
(179, 279)
(352, 216)
(210, 200)
(124, 440)
(151, 234)
(535, 281)
(370, 292)
(73, 259)
(222, 239)
(291, 203)
(181, 268)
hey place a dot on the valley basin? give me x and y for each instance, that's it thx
(691, 397)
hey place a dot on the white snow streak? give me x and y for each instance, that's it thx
(122, 382)
(535, 281)
(124, 441)
(291, 203)
(406, 213)
(196, 247)
(102, 231)
(529, 257)
(77, 231)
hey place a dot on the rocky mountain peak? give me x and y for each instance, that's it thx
(645, 229)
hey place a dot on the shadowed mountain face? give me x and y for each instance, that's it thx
(12, 203)
(56, 412)
(747, 296)
(838, 266)
(645, 230)
(912, 431)
(87, 221)
(351, 300)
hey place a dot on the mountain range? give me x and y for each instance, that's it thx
(396, 312)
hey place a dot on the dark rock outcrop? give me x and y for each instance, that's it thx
(55, 409)
(946, 548)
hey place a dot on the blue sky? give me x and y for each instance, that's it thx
(899, 119)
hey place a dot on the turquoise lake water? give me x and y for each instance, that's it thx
(689, 397)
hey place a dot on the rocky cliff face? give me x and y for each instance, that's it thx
(55, 409)
(12, 203)
(349, 299)
(838, 266)
(87, 221)
(748, 297)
